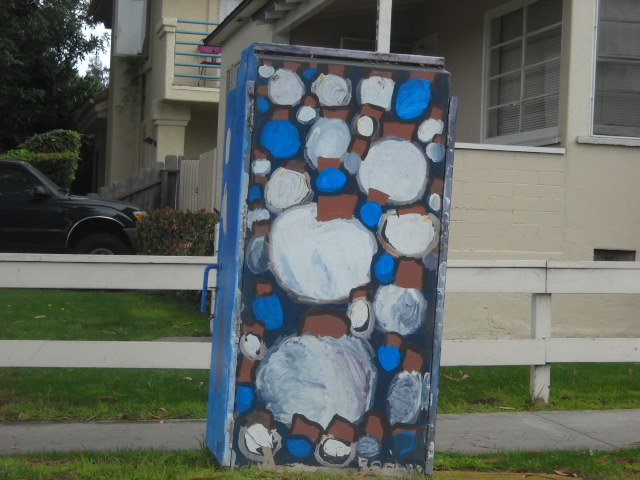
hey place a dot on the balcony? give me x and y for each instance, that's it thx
(191, 69)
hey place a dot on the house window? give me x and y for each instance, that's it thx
(522, 77)
(617, 91)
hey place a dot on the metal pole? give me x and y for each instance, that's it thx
(383, 30)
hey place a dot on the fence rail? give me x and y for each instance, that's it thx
(539, 278)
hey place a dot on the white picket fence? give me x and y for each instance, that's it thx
(541, 279)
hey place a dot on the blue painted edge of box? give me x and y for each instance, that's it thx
(442, 275)
(226, 329)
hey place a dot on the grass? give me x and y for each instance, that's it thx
(101, 394)
(97, 315)
(573, 387)
(199, 464)
(112, 394)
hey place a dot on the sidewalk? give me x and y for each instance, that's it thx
(467, 433)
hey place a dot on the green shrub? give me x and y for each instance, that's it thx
(175, 232)
(59, 167)
(55, 141)
(55, 153)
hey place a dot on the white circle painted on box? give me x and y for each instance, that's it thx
(400, 310)
(306, 114)
(287, 188)
(257, 215)
(365, 126)
(429, 128)
(297, 376)
(351, 162)
(329, 138)
(435, 151)
(409, 235)
(395, 167)
(285, 87)
(435, 202)
(376, 91)
(360, 313)
(332, 90)
(265, 71)
(319, 262)
(261, 167)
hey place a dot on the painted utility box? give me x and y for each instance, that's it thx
(332, 252)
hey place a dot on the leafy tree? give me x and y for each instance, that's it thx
(41, 42)
(98, 70)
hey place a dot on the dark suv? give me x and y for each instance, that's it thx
(38, 216)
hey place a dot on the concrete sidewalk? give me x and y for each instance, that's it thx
(468, 433)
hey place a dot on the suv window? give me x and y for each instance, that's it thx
(16, 183)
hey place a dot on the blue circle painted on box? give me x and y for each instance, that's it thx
(413, 98)
(310, 73)
(299, 447)
(245, 398)
(389, 357)
(385, 269)
(268, 310)
(370, 213)
(331, 180)
(404, 443)
(262, 104)
(255, 193)
(281, 137)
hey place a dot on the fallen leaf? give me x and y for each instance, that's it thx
(187, 378)
(465, 376)
(40, 316)
(164, 410)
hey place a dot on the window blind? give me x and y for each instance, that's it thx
(617, 89)
(524, 72)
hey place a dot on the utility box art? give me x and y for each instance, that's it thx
(332, 254)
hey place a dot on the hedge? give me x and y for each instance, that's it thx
(55, 141)
(176, 232)
(59, 167)
(55, 153)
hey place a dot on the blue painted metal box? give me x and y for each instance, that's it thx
(333, 246)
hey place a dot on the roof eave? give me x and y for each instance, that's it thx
(234, 21)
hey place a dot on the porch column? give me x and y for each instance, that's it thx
(383, 30)
(170, 121)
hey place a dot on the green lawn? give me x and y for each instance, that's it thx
(80, 394)
(111, 394)
(199, 464)
(574, 386)
(101, 394)
(97, 315)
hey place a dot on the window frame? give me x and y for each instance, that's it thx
(594, 72)
(539, 137)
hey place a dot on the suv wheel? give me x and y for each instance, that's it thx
(102, 244)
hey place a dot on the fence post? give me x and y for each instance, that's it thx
(540, 375)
